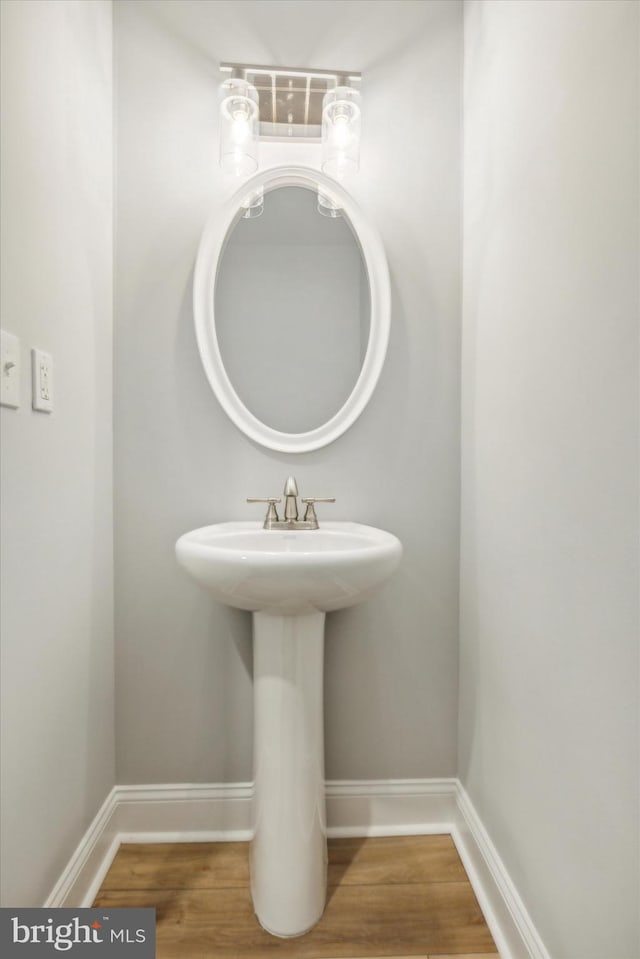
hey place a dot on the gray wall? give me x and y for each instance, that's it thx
(183, 662)
(549, 571)
(57, 599)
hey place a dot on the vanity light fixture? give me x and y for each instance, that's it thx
(341, 131)
(281, 104)
(238, 127)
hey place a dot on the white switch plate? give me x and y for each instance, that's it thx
(9, 370)
(42, 381)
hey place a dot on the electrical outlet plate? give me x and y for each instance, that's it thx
(9, 370)
(42, 381)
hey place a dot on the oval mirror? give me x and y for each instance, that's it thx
(291, 309)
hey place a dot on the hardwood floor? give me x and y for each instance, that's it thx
(404, 897)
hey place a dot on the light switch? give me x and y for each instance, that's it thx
(9, 370)
(42, 381)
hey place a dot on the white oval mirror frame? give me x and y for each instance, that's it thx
(209, 254)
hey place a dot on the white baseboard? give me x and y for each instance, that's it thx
(184, 813)
(90, 861)
(513, 930)
(217, 813)
(403, 807)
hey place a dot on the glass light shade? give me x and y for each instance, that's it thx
(253, 205)
(239, 117)
(341, 132)
(327, 207)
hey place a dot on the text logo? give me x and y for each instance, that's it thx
(78, 932)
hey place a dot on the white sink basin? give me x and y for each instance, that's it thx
(289, 571)
(289, 579)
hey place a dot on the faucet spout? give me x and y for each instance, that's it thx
(291, 500)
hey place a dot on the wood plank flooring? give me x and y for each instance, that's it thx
(402, 897)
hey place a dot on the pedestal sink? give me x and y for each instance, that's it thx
(289, 580)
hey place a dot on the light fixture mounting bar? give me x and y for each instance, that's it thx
(244, 68)
(290, 98)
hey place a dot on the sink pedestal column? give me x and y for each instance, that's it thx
(289, 849)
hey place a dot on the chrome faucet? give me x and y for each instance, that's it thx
(290, 520)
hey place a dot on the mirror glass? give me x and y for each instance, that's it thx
(292, 310)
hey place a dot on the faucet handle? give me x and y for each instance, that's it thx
(310, 512)
(272, 513)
